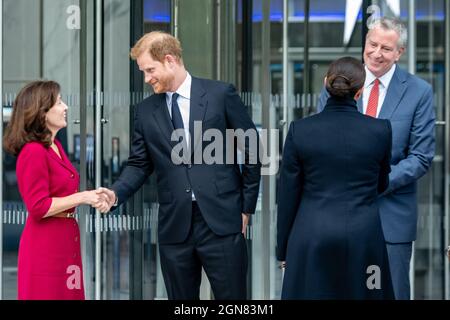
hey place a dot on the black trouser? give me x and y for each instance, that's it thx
(224, 259)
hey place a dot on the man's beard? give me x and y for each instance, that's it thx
(163, 84)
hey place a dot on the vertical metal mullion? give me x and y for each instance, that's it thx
(41, 39)
(174, 14)
(247, 54)
(447, 145)
(431, 215)
(412, 69)
(228, 70)
(365, 29)
(1, 148)
(306, 85)
(247, 48)
(412, 37)
(268, 199)
(246, 90)
(218, 40)
(98, 132)
(135, 205)
(285, 67)
(85, 218)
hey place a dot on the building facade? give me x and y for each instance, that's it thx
(276, 52)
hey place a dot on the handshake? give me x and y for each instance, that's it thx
(101, 199)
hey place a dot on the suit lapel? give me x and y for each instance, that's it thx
(198, 105)
(197, 111)
(163, 120)
(394, 94)
(64, 161)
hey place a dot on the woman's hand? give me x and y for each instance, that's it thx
(96, 200)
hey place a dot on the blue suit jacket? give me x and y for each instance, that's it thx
(409, 107)
(222, 191)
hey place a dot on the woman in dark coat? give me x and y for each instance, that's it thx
(335, 164)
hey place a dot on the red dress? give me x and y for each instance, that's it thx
(49, 263)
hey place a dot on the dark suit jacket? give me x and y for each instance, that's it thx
(223, 191)
(409, 107)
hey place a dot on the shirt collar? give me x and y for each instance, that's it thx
(185, 89)
(385, 79)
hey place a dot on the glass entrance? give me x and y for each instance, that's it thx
(277, 64)
(37, 44)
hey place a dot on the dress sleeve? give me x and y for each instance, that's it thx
(33, 179)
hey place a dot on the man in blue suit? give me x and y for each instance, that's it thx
(204, 206)
(407, 101)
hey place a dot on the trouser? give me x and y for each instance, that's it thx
(224, 259)
(399, 260)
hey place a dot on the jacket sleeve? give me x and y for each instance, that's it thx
(139, 165)
(289, 192)
(421, 145)
(238, 118)
(383, 180)
(33, 180)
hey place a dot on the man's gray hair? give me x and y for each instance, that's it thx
(392, 24)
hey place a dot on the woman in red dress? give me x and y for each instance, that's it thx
(49, 263)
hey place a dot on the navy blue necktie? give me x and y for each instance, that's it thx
(177, 120)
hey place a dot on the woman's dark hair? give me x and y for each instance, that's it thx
(28, 117)
(345, 77)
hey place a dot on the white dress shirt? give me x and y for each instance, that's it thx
(384, 84)
(184, 103)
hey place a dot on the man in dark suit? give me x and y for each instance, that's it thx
(204, 208)
(407, 101)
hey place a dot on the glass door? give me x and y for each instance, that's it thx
(429, 258)
(40, 40)
(319, 32)
(277, 63)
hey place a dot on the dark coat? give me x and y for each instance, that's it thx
(335, 164)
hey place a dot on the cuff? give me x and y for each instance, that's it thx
(117, 200)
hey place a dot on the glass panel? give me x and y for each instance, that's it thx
(430, 243)
(37, 44)
(196, 33)
(264, 118)
(40, 44)
(157, 16)
(327, 21)
(15, 15)
(116, 225)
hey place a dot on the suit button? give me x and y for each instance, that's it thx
(188, 190)
(72, 176)
(189, 166)
(74, 255)
(76, 239)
